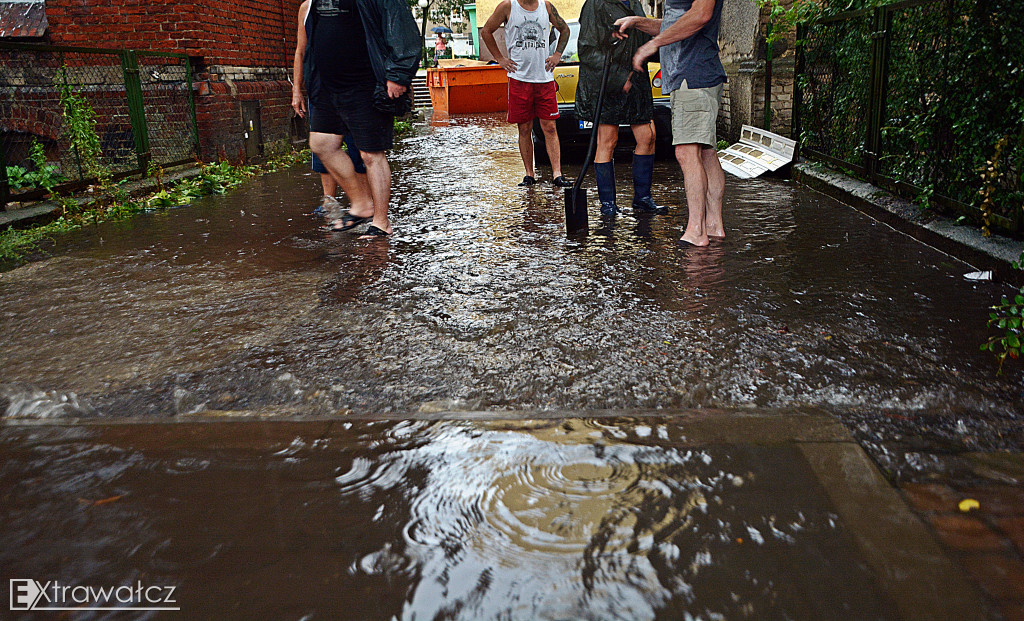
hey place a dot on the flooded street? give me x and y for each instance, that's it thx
(483, 418)
(480, 302)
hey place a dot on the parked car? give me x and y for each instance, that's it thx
(574, 133)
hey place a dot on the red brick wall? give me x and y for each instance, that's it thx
(218, 113)
(244, 35)
(255, 33)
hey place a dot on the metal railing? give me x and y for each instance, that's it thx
(907, 96)
(144, 109)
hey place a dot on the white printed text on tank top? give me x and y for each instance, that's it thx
(528, 37)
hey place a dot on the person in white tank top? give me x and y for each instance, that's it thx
(529, 61)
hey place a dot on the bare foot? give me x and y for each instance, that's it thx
(694, 241)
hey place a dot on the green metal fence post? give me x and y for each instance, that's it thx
(136, 107)
(192, 107)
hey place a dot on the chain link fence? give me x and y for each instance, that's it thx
(921, 97)
(143, 107)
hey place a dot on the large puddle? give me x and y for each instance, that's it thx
(564, 519)
(480, 302)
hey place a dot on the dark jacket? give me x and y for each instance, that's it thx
(637, 106)
(392, 40)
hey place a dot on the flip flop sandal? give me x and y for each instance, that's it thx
(374, 232)
(349, 222)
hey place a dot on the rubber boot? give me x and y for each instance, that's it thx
(605, 174)
(643, 173)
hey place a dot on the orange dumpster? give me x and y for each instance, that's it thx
(460, 90)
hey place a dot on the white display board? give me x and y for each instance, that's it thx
(757, 152)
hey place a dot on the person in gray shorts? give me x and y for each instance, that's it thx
(692, 72)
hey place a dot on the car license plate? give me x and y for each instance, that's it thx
(586, 125)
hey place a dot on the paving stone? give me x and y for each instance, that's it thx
(931, 497)
(966, 534)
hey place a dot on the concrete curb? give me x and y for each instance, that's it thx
(963, 242)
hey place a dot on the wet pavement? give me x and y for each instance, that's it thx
(480, 308)
(711, 516)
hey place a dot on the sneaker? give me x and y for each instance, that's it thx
(609, 208)
(326, 206)
(647, 205)
(527, 182)
(561, 182)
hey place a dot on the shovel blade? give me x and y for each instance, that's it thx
(576, 210)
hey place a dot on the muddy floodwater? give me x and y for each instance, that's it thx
(483, 418)
(480, 302)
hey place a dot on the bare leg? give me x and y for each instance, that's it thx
(715, 192)
(378, 173)
(328, 148)
(644, 135)
(696, 181)
(553, 147)
(526, 146)
(329, 184)
(607, 138)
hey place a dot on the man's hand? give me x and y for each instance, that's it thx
(508, 64)
(552, 61)
(624, 24)
(299, 104)
(395, 90)
(628, 85)
(646, 51)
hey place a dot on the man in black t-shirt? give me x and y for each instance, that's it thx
(330, 208)
(353, 48)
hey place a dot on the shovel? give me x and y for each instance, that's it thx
(576, 197)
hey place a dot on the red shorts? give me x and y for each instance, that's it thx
(530, 100)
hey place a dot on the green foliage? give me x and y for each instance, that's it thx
(402, 126)
(786, 17)
(80, 127)
(952, 126)
(952, 123)
(45, 175)
(16, 244)
(1007, 316)
(19, 178)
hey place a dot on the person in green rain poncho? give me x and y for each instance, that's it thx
(627, 100)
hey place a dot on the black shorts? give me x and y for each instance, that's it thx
(351, 112)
